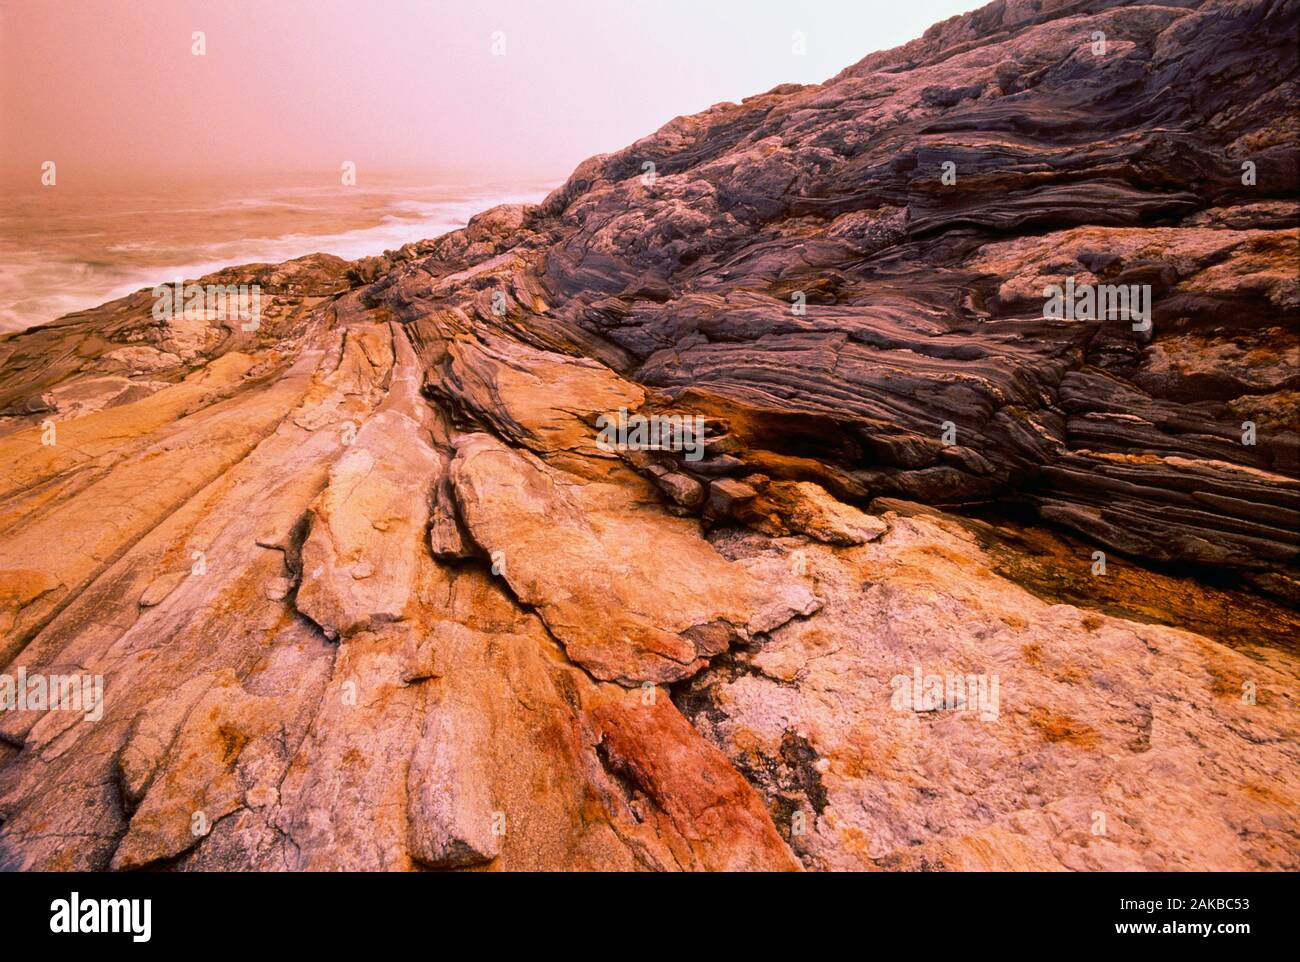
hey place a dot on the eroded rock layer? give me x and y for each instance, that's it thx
(367, 590)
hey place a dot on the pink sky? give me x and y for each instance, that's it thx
(112, 90)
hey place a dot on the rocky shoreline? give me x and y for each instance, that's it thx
(367, 591)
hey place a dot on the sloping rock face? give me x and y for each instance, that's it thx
(370, 586)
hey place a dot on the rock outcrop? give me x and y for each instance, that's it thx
(926, 575)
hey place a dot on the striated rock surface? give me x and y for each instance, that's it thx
(927, 577)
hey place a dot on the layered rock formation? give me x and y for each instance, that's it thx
(367, 592)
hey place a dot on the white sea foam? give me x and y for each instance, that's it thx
(59, 258)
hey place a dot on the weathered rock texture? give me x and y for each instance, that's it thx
(367, 593)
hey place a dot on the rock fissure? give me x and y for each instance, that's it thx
(368, 593)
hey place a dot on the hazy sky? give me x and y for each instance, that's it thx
(112, 89)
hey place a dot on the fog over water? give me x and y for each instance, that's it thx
(173, 159)
(65, 249)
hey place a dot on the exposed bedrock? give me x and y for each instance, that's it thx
(801, 254)
(369, 588)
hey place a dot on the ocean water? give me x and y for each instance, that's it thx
(69, 247)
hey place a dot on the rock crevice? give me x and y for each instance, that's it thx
(368, 589)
